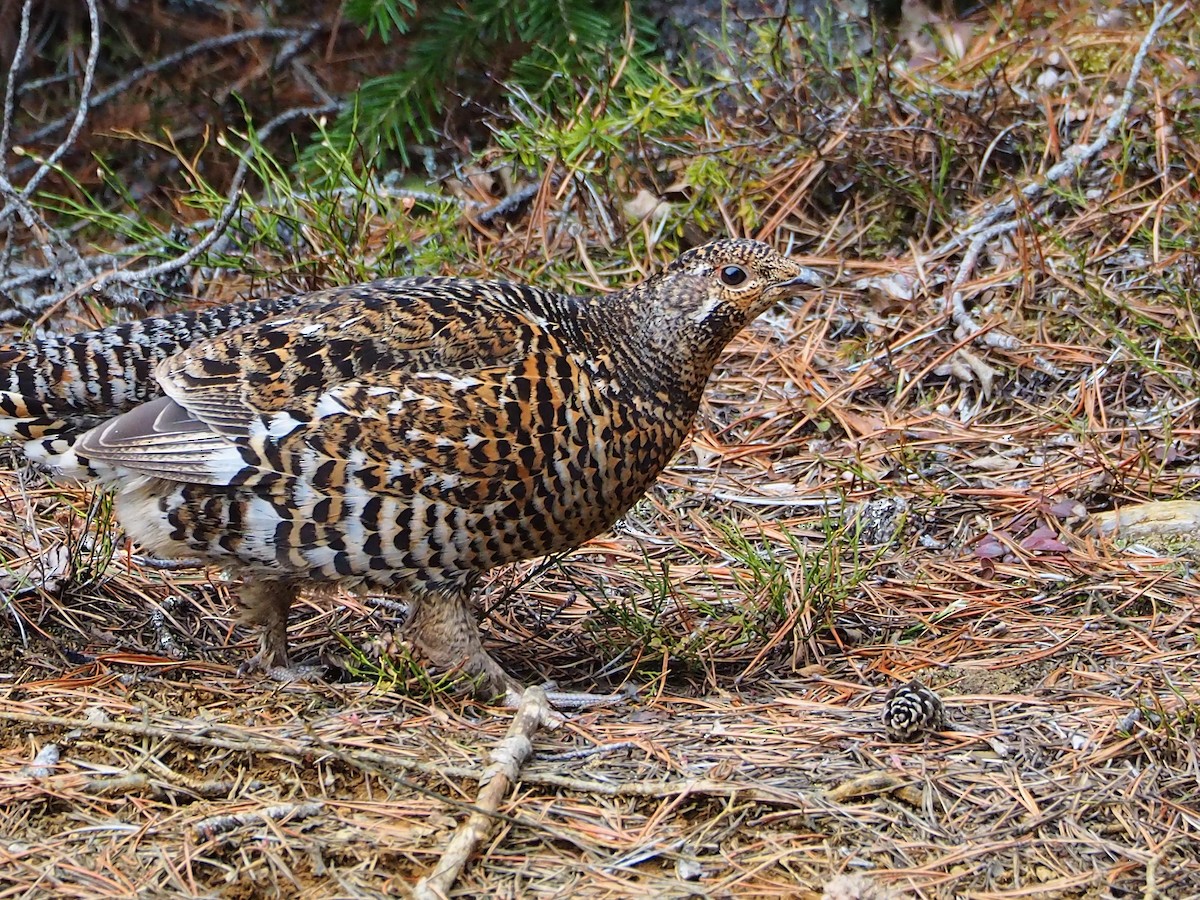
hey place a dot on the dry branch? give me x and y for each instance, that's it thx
(47, 165)
(207, 829)
(295, 38)
(1075, 156)
(142, 783)
(370, 760)
(130, 276)
(992, 223)
(14, 70)
(19, 200)
(504, 769)
(104, 272)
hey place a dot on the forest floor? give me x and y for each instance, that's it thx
(969, 462)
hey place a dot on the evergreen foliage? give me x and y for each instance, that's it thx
(381, 16)
(468, 49)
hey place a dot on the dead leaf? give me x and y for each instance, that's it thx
(646, 207)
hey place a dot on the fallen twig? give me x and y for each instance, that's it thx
(206, 829)
(143, 783)
(990, 225)
(1076, 155)
(307, 749)
(506, 762)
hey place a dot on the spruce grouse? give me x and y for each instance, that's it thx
(408, 434)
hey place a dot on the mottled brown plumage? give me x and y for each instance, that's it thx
(407, 434)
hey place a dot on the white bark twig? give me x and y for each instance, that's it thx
(10, 89)
(131, 276)
(172, 61)
(993, 223)
(208, 828)
(18, 201)
(505, 767)
(1077, 155)
(85, 92)
(41, 231)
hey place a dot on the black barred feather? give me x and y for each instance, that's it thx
(65, 384)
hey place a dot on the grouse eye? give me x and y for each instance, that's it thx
(733, 275)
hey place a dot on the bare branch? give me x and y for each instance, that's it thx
(505, 767)
(958, 309)
(1075, 156)
(89, 77)
(10, 88)
(131, 276)
(997, 221)
(41, 230)
(172, 61)
(212, 826)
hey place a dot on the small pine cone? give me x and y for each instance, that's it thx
(387, 644)
(911, 709)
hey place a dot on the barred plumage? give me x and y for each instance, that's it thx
(407, 434)
(63, 385)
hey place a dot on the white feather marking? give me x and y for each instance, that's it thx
(540, 321)
(59, 456)
(389, 513)
(8, 427)
(259, 521)
(418, 542)
(407, 395)
(442, 535)
(222, 465)
(458, 383)
(356, 498)
(321, 557)
(280, 425)
(308, 466)
(705, 309)
(329, 405)
(144, 520)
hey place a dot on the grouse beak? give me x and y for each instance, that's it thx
(806, 278)
(796, 285)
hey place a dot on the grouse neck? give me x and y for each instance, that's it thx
(668, 348)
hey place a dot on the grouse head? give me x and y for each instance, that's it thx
(685, 315)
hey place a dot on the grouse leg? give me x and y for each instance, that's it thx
(265, 604)
(442, 627)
